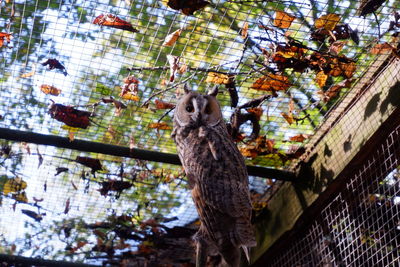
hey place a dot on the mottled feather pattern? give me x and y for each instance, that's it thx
(218, 178)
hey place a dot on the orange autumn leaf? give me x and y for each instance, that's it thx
(160, 126)
(249, 152)
(172, 38)
(348, 69)
(217, 78)
(283, 20)
(50, 90)
(163, 105)
(5, 37)
(130, 89)
(335, 89)
(288, 117)
(328, 22)
(29, 74)
(272, 82)
(110, 20)
(321, 78)
(381, 49)
(245, 29)
(299, 138)
(129, 96)
(336, 47)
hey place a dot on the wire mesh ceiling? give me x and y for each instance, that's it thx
(111, 72)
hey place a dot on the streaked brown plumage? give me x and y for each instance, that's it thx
(217, 176)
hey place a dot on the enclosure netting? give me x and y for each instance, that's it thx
(361, 225)
(111, 72)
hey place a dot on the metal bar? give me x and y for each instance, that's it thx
(25, 261)
(120, 151)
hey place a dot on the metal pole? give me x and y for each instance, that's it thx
(25, 261)
(121, 151)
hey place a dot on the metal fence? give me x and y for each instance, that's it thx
(361, 225)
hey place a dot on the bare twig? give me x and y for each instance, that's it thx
(212, 69)
(166, 90)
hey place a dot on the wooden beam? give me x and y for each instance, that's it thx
(121, 151)
(344, 133)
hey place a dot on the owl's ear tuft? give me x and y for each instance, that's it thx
(213, 91)
(186, 88)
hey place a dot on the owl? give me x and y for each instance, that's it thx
(217, 177)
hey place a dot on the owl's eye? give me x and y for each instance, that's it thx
(189, 108)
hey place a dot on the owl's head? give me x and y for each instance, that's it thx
(195, 110)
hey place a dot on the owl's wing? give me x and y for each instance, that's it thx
(228, 196)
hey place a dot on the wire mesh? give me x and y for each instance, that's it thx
(360, 227)
(69, 208)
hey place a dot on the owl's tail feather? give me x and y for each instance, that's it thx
(201, 254)
(246, 252)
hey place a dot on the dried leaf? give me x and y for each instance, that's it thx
(5, 37)
(348, 69)
(55, 64)
(321, 78)
(299, 138)
(260, 146)
(283, 20)
(183, 68)
(60, 170)
(173, 66)
(217, 78)
(114, 185)
(328, 22)
(67, 206)
(129, 91)
(37, 217)
(384, 48)
(335, 89)
(188, 7)
(129, 96)
(160, 126)
(119, 106)
(272, 82)
(14, 185)
(248, 152)
(50, 90)
(71, 136)
(244, 30)
(40, 157)
(163, 105)
(288, 117)
(70, 116)
(29, 74)
(110, 20)
(172, 38)
(336, 47)
(369, 6)
(92, 163)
